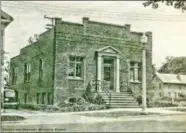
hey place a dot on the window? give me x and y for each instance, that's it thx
(26, 98)
(168, 85)
(27, 72)
(169, 94)
(135, 72)
(160, 86)
(38, 98)
(75, 67)
(175, 94)
(14, 75)
(40, 69)
(160, 94)
(180, 87)
(43, 98)
(49, 98)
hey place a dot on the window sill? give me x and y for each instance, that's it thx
(75, 79)
(136, 82)
(26, 82)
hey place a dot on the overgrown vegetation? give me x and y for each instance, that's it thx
(12, 118)
(93, 98)
(88, 101)
(116, 114)
(174, 65)
(177, 4)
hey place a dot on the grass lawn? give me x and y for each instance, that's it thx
(116, 114)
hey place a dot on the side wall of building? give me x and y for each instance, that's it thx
(174, 90)
(158, 88)
(42, 49)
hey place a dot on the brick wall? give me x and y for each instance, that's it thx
(43, 49)
(79, 40)
(83, 40)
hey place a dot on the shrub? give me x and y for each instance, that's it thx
(63, 104)
(76, 108)
(81, 101)
(98, 100)
(48, 108)
(163, 104)
(139, 100)
(93, 98)
(182, 95)
(72, 100)
(89, 97)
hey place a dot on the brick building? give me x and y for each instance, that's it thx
(71, 56)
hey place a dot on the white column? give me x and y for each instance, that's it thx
(128, 66)
(144, 78)
(99, 72)
(136, 71)
(117, 75)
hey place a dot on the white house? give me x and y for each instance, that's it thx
(169, 85)
(6, 19)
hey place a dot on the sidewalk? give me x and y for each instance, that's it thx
(36, 117)
(80, 119)
(28, 113)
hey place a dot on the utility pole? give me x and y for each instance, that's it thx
(49, 26)
(144, 40)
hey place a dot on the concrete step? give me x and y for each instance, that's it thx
(116, 94)
(124, 104)
(124, 107)
(120, 98)
(107, 101)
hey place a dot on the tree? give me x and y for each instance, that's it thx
(178, 4)
(175, 65)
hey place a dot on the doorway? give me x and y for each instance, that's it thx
(108, 74)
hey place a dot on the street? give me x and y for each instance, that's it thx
(159, 123)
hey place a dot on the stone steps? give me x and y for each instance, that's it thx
(120, 100)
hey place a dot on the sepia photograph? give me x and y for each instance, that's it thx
(93, 66)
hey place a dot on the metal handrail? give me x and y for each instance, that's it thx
(97, 84)
(109, 96)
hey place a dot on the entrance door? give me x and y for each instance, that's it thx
(108, 74)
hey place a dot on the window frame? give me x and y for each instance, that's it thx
(40, 69)
(14, 75)
(26, 98)
(49, 98)
(43, 98)
(38, 95)
(75, 62)
(27, 72)
(135, 65)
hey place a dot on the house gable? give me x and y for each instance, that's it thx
(5, 18)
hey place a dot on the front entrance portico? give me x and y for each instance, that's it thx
(108, 69)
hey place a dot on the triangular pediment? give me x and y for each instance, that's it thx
(108, 49)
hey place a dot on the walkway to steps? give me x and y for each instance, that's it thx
(120, 100)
